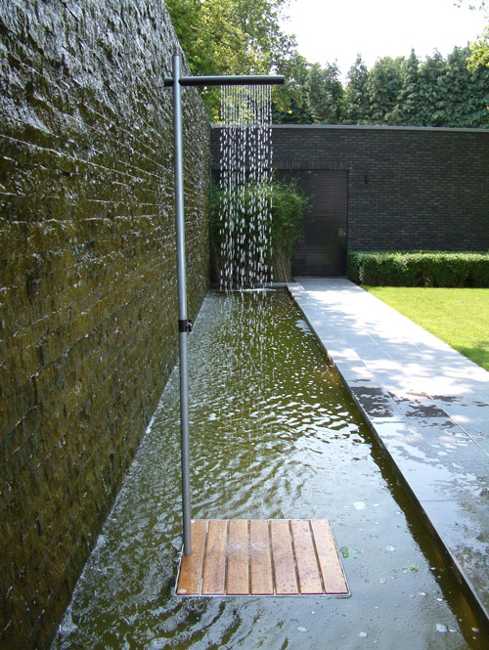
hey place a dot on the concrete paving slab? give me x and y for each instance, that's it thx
(428, 406)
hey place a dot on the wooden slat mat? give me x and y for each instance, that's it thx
(268, 557)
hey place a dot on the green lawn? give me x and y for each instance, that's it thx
(458, 316)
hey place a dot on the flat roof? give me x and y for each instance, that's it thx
(373, 127)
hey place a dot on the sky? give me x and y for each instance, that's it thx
(329, 30)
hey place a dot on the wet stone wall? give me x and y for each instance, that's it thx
(87, 277)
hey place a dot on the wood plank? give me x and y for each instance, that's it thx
(283, 558)
(190, 579)
(260, 558)
(214, 581)
(267, 557)
(333, 578)
(237, 580)
(305, 557)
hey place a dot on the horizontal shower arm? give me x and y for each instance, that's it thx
(229, 80)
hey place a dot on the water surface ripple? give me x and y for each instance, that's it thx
(274, 434)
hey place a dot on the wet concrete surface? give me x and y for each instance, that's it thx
(428, 405)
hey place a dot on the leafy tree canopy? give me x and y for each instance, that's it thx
(245, 36)
(479, 49)
(231, 36)
(479, 52)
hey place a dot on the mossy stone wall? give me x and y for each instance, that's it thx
(88, 308)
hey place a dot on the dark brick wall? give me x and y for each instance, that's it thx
(408, 188)
(87, 277)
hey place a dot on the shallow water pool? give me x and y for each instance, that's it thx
(274, 435)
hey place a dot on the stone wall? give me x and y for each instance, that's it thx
(87, 277)
(408, 188)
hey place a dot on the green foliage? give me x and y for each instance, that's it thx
(419, 269)
(409, 102)
(383, 87)
(291, 102)
(479, 52)
(479, 49)
(239, 36)
(311, 93)
(230, 36)
(325, 93)
(433, 92)
(356, 104)
(245, 36)
(469, 91)
(288, 204)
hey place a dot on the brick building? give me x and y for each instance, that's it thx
(384, 188)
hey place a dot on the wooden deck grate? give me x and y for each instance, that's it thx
(269, 557)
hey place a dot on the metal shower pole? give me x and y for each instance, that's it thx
(184, 325)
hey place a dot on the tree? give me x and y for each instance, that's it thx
(292, 103)
(434, 93)
(479, 52)
(245, 36)
(476, 105)
(457, 82)
(479, 49)
(383, 86)
(325, 93)
(467, 102)
(356, 101)
(231, 36)
(220, 36)
(407, 109)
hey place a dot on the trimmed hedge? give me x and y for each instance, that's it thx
(419, 269)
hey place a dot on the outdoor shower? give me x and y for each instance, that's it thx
(184, 325)
(229, 557)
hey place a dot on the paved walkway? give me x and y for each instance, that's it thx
(428, 404)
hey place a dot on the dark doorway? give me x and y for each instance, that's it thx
(322, 251)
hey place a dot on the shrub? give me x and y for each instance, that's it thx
(419, 268)
(288, 204)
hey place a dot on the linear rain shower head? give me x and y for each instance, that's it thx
(229, 80)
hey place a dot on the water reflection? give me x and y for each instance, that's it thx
(273, 435)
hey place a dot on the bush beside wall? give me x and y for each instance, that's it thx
(288, 203)
(419, 269)
(88, 314)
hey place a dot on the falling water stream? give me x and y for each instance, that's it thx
(244, 182)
